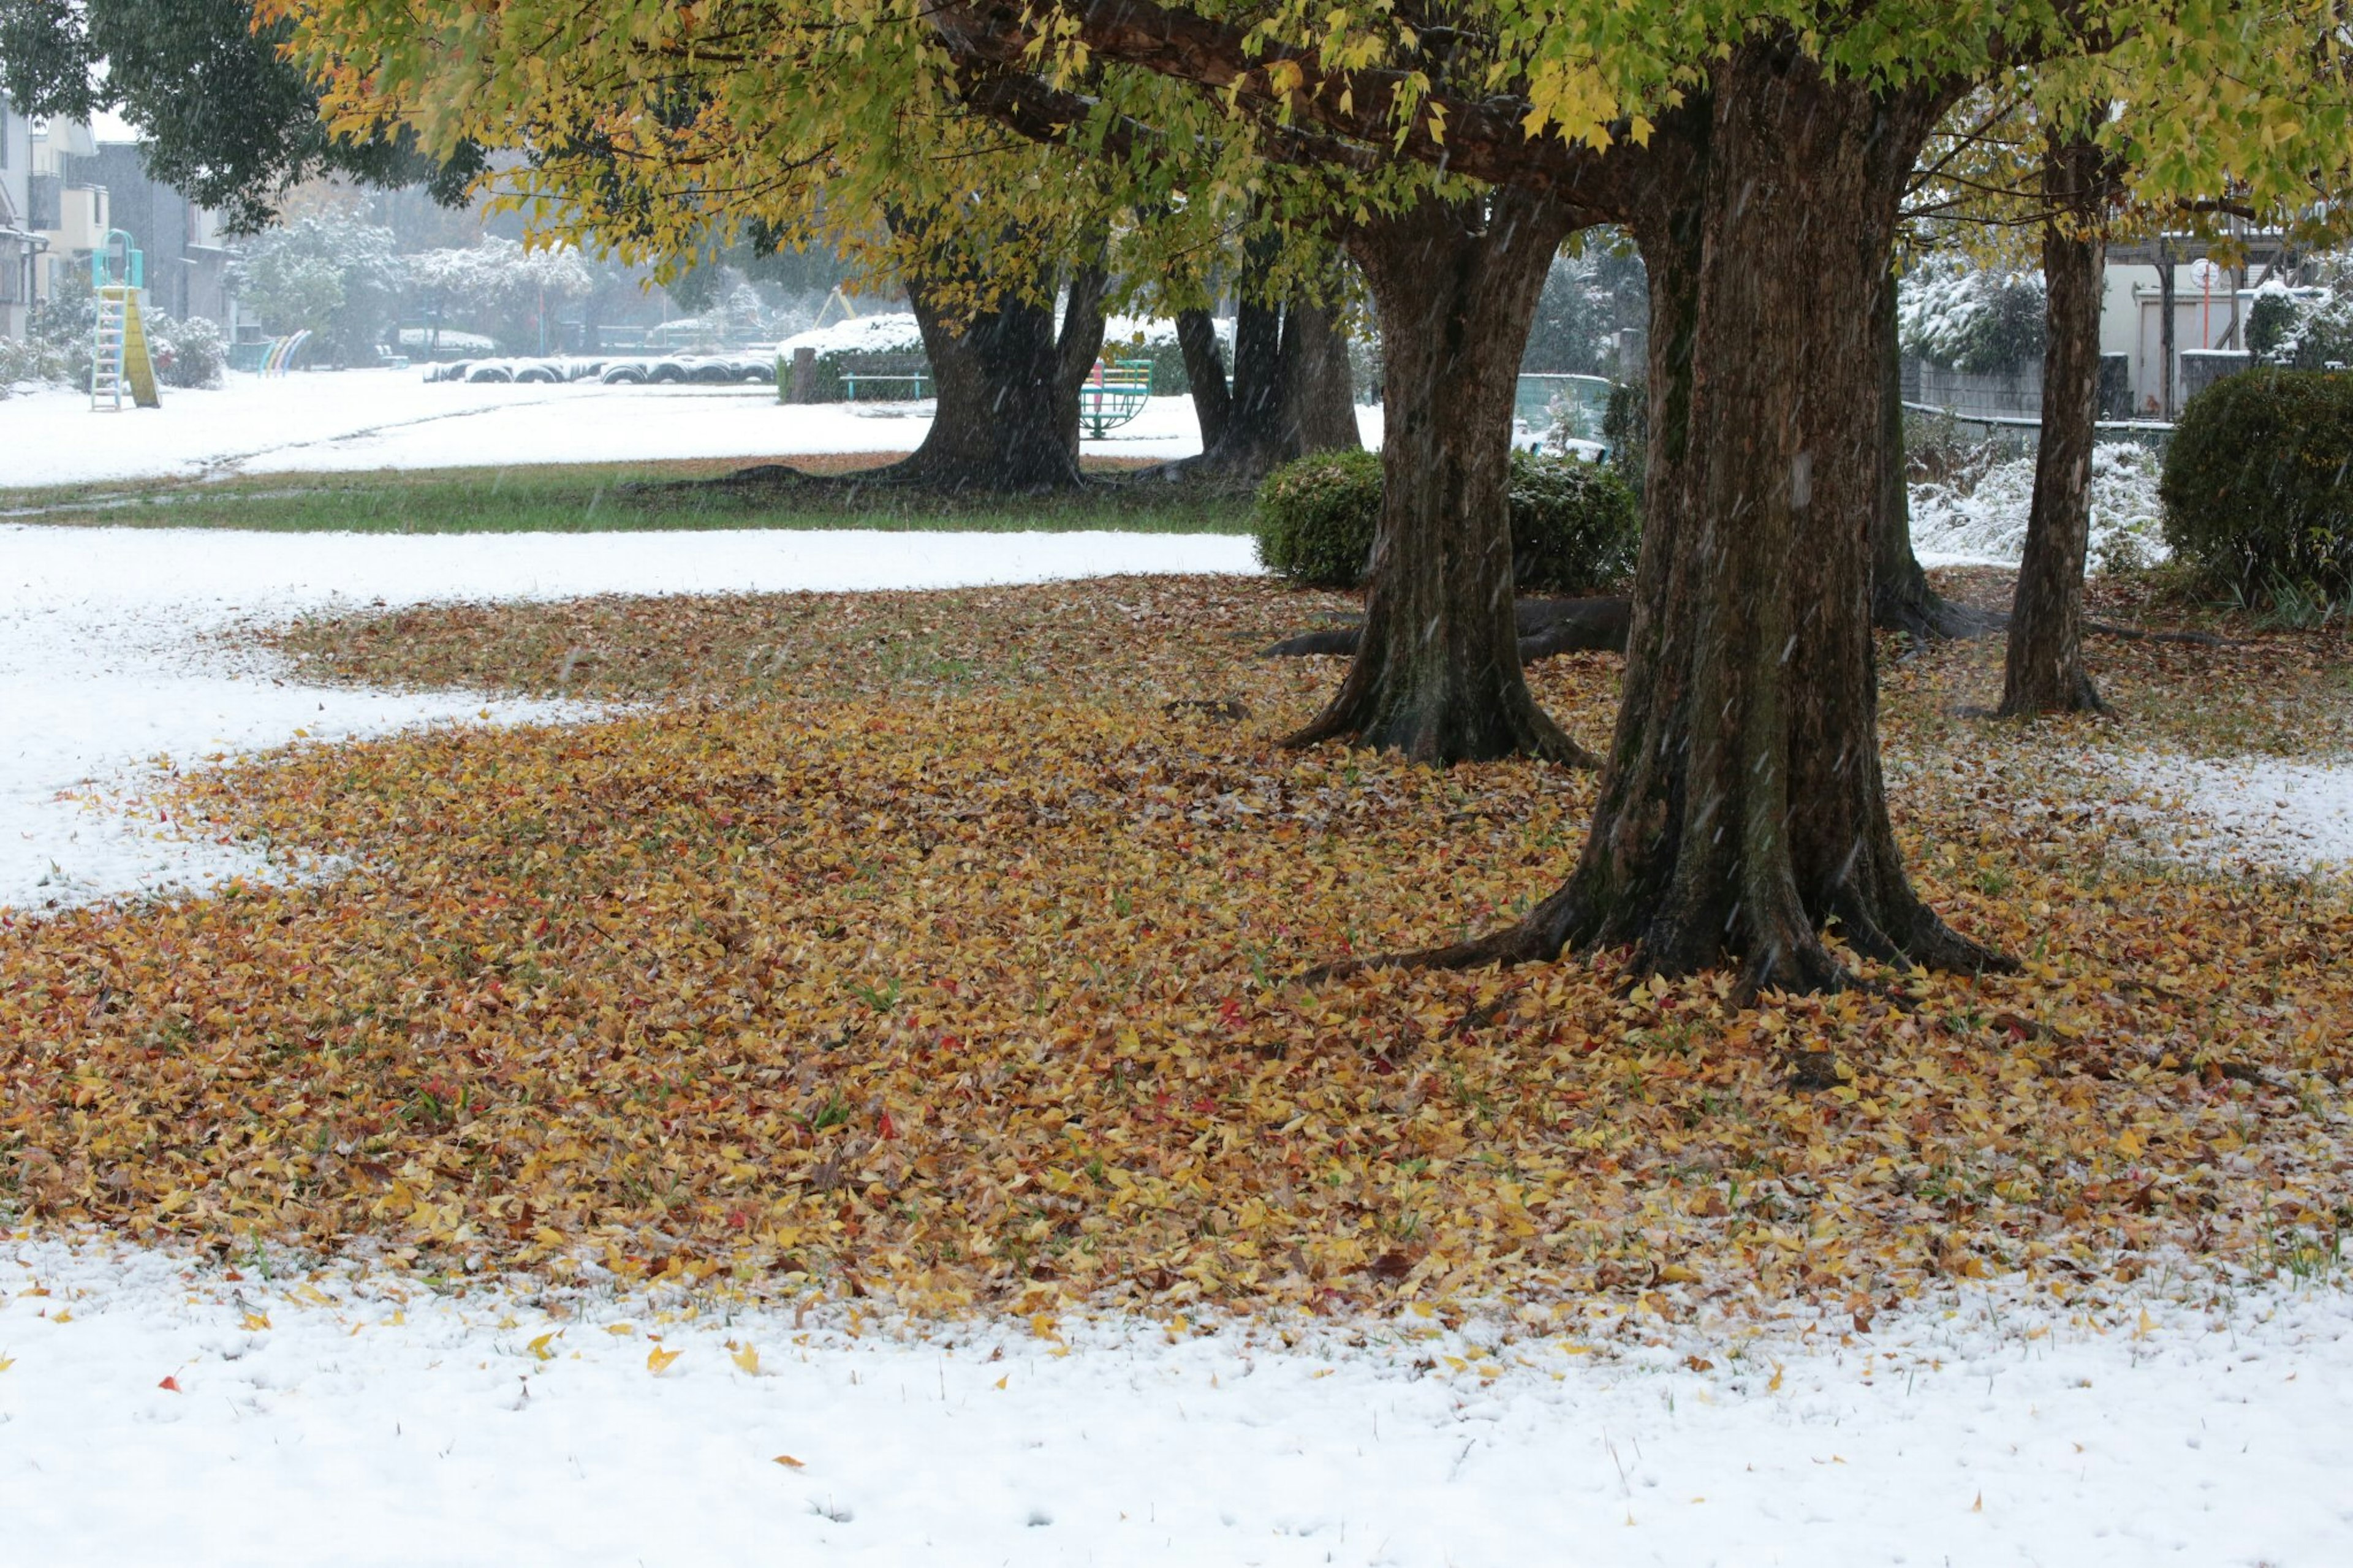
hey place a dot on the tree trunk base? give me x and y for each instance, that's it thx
(914, 472)
(1784, 954)
(1926, 615)
(1441, 728)
(2072, 695)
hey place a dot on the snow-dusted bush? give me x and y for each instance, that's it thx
(189, 352)
(1969, 319)
(445, 343)
(885, 344)
(2310, 329)
(1980, 507)
(26, 364)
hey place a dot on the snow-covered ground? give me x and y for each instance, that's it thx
(103, 670)
(361, 419)
(2294, 816)
(300, 1419)
(148, 1408)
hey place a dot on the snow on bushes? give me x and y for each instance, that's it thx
(882, 343)
(1980, 508)
(1971, 320)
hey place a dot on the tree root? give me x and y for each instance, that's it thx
(1801, 963)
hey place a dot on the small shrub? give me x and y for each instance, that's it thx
(24, 362)
(2258, 485)
(1316, 518)
(1575, 525)
(187, 352)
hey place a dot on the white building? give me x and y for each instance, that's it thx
(18, 242)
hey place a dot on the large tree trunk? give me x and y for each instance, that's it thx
(2044, 672)
(1901, 599)
(1007, 413)
(1743, 805)
(1078, 346)
(1437, 672)
(1290, 392)
(1319, 390)
(1204, 367)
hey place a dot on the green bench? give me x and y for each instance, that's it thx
(918, 381)
(1114, 394)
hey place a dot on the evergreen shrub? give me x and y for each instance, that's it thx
(1575, 525)
(2258, 482)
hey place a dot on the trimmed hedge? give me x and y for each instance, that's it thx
(2258, 481)
(1575, 525)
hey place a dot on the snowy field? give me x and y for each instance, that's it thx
(361, 419)
(333, 1417)
(106, 678)
(288, 1417)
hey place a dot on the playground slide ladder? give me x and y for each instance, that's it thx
(119, 362)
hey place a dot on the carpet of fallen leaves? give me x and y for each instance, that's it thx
(915, 946)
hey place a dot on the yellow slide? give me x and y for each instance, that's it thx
(138, 365)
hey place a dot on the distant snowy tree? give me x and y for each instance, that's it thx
(333, 277)
(1586, 299)
(2308, 331)
(1972, 319)
(501, 288)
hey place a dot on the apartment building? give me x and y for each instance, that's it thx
(19, 244)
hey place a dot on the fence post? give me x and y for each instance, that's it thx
(804, 382)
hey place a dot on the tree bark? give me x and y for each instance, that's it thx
(1290, 395)
(1437, 672)
(1204, 367)
(1743, 805)
(1901, 599)
(2043, 671)
(1319, 390)
(1008, 411)
(1079, 346)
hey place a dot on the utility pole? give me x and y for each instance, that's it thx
(2165, 323)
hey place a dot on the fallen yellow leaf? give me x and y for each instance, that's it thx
(748, 1358)
(658, 1360)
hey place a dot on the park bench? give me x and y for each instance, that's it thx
(916, 382)
(1114, 394)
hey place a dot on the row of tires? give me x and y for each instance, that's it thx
(710, 370)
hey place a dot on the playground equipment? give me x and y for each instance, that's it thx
(119, 359)
(280, 357)
(1114, 394)
(1571, 406)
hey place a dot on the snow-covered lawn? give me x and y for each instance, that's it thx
(357, 420)
(104, 666)
(151, 1408)
(358, 1419)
